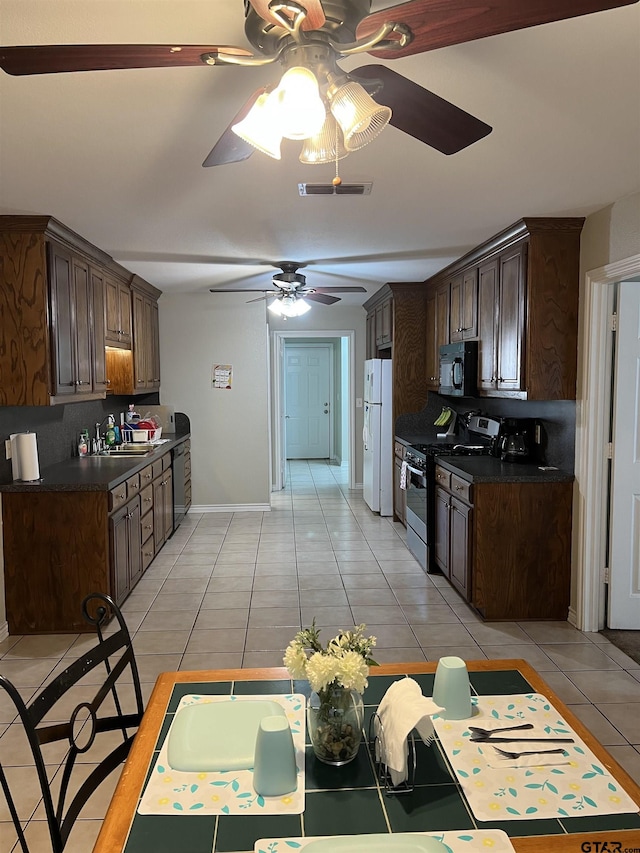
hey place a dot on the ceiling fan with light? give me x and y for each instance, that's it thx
(333, 112)
(292, 294)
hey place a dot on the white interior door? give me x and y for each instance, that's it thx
(308, 401)
(624, 583)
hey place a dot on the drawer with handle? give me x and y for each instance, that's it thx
(443, 477)
(461, 488)
(146, 527)
(146, 499)
(146, 476)
(117, 497)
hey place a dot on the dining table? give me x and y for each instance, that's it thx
(445, 799)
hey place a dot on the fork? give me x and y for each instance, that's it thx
(488, 732)
(532, 752)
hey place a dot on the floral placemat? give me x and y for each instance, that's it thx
(581, 786)
(481, 840)
(171, 791)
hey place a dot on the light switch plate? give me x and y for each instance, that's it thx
(358, 402)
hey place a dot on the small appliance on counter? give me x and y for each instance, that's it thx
(517, 440)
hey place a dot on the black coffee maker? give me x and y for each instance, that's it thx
(516, 441)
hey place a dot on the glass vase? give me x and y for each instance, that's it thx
(335, 717)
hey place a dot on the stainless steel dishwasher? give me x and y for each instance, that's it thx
(179, 509)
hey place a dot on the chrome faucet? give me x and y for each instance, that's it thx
(99, 440)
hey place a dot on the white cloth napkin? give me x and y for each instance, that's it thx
(403, 475)
(403, 708)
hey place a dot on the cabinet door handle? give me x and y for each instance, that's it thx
(458, 488)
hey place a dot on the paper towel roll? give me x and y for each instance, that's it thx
(27, 449)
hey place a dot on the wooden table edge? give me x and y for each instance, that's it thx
(121, 811)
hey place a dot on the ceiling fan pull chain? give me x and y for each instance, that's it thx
(337, 180)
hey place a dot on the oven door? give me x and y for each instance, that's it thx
(417, 501)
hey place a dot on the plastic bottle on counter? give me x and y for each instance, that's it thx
(83, 443)
(110, 435)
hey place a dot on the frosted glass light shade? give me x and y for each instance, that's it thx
(289, 306)
(322, 147)
(359, 116)
(300, 108)
(260, 127)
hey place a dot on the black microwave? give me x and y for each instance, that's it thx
(459, 369)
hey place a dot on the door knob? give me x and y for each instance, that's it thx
(326, 411)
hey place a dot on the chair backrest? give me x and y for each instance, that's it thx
(103, 713)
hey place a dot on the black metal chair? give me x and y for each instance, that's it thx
(115, 651)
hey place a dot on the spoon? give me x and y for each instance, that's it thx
(488, 732)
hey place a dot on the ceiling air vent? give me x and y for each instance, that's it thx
(341, 189)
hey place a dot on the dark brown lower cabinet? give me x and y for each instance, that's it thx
(125, 548)
(506, 547)
(162, 508)
(454, 534)
(59, 546)
(460, 554)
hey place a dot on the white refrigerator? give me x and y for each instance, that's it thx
(377, 435)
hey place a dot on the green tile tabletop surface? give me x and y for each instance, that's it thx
(349, 800)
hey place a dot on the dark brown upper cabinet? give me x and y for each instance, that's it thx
(525, 309)
(51, 314)
(66, 319)
(463, 301)
(117, 312)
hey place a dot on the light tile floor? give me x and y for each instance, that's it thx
(231, 590)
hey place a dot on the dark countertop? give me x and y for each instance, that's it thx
(488, 469)
(93, 473)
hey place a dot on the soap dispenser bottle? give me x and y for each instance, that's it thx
(110, 435)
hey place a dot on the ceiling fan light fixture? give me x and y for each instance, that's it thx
(327, 146)
(260, 127)
(359, 116)
(301, 112)
(289, 306)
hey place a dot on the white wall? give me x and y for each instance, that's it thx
(229, 429)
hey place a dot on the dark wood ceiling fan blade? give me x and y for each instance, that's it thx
(268, 293)
(340, 289)
(230, 148)
(315, 13)
(262, 298)
(423, 115)
(441, 23)
(57, 58)
(324, 298)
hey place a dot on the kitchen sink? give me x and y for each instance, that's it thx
(128, 450)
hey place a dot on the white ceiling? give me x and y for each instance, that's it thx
(116, 155)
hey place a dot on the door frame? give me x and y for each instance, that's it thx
(277, 396)
(591, 492)
(331, 348)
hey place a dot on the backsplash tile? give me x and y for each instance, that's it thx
(58, 427)
(557, 419)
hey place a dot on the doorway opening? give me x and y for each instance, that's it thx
(311, 401)
(592, 439)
